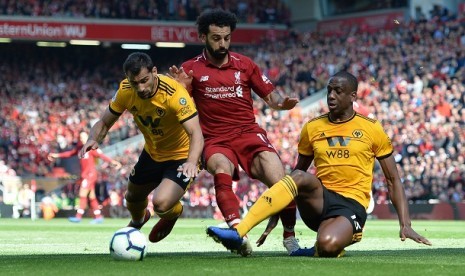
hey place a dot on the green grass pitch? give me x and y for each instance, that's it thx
(58, 247)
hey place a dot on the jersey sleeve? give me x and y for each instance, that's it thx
(119, 101)
(259, 83)
(382, 146)
(187, 66)
(304, 146)
(183, 104)
(68, 153)
(99, 153)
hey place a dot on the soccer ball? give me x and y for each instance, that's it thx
(128, 244)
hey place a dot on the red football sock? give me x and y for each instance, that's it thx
(82, 206)
(288, 219)
(226, 198)
(94, 205)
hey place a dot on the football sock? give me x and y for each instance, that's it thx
(137, 210)
(94, 205)
(80, 212)
(288, 219)
(226, 198)
(270, 202)
(82, 206)
(166, 223)
(172, 213)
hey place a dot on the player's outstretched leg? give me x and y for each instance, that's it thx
(246, 247)
(311, 252)
(162, 229)
(228, 237)
(139, 225)
(288, 219)
(305, 252)
(292, 245)
(166, 223)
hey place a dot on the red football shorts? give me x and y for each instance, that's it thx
(89, 181)
(240, 148)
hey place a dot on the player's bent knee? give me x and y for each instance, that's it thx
(297, 175)
(328, 246)
(134, 197)
(305, 181)
(171, 213)
(129, 197)
(299, 178)
(162, 206)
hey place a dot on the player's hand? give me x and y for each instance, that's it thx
(188, 171)
(88, 146)
(407, 232)
(117, 165)
(272, 222)
(52, 156)
(182, 77)
(288, 103)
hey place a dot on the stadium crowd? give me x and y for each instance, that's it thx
(412, 79)
(247, 11)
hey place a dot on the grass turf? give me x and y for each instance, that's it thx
(58, 247)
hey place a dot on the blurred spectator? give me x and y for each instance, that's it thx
(412, 79)
(268, 11)
(116, 203)
(48, 208)
(25, 199)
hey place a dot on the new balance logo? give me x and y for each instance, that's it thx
(133, 109)
(203, 78)
(267, 199)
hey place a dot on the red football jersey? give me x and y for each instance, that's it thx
(223, 95)
(88, 162)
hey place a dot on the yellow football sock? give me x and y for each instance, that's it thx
(270, 202)
(172, 213)
(137, 209)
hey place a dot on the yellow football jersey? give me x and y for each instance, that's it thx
(159, 118)
(344, 153)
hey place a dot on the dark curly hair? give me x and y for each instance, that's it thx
(218, 17)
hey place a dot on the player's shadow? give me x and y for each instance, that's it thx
(405, 253)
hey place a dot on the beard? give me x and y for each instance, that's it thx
(217, 54)
(144, 94)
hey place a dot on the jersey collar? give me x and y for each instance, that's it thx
(341, 122)
(230, 62)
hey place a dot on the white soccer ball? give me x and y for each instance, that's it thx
(128, 244)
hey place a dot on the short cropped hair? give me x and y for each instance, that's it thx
(351, 79)
(136, 61)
